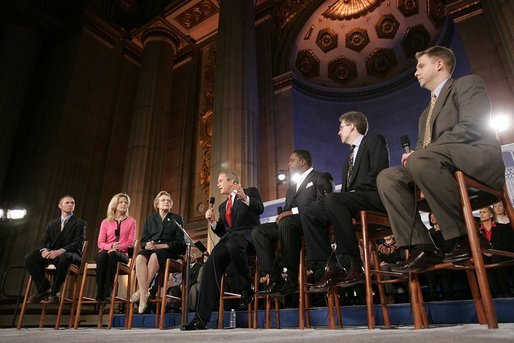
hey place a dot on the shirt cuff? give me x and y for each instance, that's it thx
(295, 210)
(63, 250)
(247, 201)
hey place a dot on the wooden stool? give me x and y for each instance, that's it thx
(73, 273)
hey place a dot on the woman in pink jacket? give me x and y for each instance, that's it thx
(115, 238)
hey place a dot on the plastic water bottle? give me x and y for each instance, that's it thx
(232, 324)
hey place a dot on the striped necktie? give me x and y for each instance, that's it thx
(349, 167)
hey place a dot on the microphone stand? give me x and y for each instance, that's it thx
(185, 291)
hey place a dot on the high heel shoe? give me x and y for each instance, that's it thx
(143, 302)
(135, 297)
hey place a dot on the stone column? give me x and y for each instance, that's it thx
(235, 128)
(146, 145)
(19, 48)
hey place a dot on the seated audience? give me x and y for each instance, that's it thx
(115, 238)
(161, 239)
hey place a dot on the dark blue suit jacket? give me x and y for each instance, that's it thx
(244, 217)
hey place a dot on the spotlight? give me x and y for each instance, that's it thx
(16, 213)
(500, 122)
(281, 177)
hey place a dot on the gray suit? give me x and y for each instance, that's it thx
(461, 140)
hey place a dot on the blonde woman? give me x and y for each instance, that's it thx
(161, 239)
(115, 238)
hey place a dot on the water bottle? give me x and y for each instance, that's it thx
(232, 324)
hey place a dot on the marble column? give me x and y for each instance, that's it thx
(146, 146)
(19, 47)
(235, 127)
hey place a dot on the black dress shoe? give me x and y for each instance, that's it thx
(418, 260)
(354, 276)
(38, 297)
(246, 298)
(52, 298)
(330, 279)
(196, 324)
(272, 288)
(288, 287)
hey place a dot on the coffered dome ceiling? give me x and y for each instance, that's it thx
(349, 44)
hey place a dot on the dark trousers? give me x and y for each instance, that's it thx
(341, 208)
(229, 250)
(106, 263)
(36, 265)
(315, 225)
(289, 232)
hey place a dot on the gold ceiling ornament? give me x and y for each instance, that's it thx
(351, 9)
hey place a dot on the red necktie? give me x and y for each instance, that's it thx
(228, 213)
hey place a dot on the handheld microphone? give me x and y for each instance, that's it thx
(279, 210)
(405, 141)
(211, 202)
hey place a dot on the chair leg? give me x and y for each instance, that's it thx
(477, 299)
(73, 300)
(164, 295)
(414, 294)
(268, 311)
(222, 304)
(382, 293)
(330, 308)
(301, 290)
(337, 304)
(277, 312)
(24, 305)
(42, 318)
(422, 309)
(113, 300)
(81, 297)
(478, 260)
(61, 302)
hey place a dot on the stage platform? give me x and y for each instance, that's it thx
(439, 313)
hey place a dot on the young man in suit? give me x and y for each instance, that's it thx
(309, 186)
(61, 245)
(453, 135)
(238, 215)
(368, 156)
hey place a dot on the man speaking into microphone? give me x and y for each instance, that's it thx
(238, 214)
(453, 135)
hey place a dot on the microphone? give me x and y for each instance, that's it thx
(279, 210)
(211, 202)
(405, 141)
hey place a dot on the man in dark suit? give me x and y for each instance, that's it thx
(61, 245)
(368, 156)
(238, 215)
(309, 186)
(453, 135)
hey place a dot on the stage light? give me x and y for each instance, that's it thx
(281, 177)
(18, 213)
(2, 213)
(500, 122)
(296, 177)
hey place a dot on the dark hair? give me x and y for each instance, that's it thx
(358, 119)
(304, 155)
(441, 52)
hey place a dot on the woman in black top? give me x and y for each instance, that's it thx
(161, 239)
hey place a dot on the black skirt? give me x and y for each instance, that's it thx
(162, 255)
